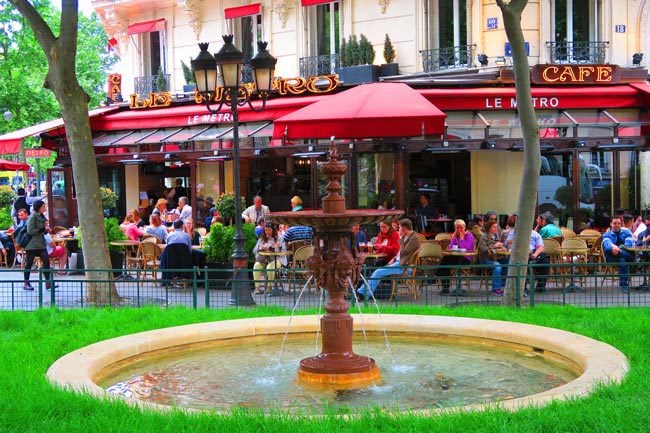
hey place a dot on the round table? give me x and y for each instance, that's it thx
(459, 291)
(125, 245)
(640, 250)
(275, 290)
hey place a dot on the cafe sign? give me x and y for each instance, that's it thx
(575, 74)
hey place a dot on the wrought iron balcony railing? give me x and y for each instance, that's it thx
(578, 52)
(440, 59)
(153, 83)
(319, 65)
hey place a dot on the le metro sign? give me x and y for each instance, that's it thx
(37, 152)
(575, 74)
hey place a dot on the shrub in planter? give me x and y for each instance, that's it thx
(109, 198)
(219, 247)
(389, 68)
(225, 205)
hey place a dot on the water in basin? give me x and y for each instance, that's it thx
(419, 373)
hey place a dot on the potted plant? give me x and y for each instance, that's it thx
(161, 81)
(109, 200)
(190, 80)
(389, 68)
(113, 233)
(219, 246)
(356, 58)
(225, 205)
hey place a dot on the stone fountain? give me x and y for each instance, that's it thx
(336, 266)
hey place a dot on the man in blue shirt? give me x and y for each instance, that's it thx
(298, 233)
(537, 256)
(614, 242)
(178, 236)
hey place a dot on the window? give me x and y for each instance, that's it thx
(577, 33)
(446, 23)
(323, 29)
(150, 51)
(247, 31)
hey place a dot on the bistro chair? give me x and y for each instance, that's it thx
(430, 255)
(408, 283)
(552, 250)
(298, 266)
(575, 258)
(567, 233)
(150, 258)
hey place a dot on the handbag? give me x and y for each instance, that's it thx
(492, 254)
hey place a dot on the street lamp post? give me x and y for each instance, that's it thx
(230, 60)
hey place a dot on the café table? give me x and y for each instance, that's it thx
(637, 250)
(459, 291)
(126, 245)
(275, 289)
(570, 252)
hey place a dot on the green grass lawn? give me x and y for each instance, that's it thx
(31, 342)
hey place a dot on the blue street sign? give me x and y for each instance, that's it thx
(620, 28)
(508, 49)
(492, 23)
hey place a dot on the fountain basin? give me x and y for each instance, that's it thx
(595, 362)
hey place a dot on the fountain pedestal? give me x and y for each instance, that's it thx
(336, 266)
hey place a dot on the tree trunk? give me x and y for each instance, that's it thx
(62, 81)
(532, 159)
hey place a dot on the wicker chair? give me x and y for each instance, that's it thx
(407, 284)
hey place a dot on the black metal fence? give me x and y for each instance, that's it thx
(586, 285)
(578, 52)
(314, 66)
(442, 59)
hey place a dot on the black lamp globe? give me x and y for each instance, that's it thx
(230, 60)
(263, 69)
(205, 71)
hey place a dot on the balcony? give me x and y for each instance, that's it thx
(443, 59)
(319, 65)
(587, 52)
(153, 83)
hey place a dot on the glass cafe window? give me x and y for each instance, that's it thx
(279, 179)
(207, 187)
(376, 180)
(247, 31)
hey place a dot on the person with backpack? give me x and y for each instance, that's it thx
(36, 246)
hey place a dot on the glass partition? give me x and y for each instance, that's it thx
(376, 180)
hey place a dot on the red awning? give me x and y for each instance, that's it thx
(243, 11)
(548, 98)
(10, 142)
(197, 114)
(10, 165)
(146, 26)
(314, 2)
(366, 111)
(644, 89)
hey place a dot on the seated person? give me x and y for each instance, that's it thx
(7, 248)
(157, 228)
(477, 226)
(359, 235)
(387, 243)
(490, 241)
(546, 227)
(536, 256)
(259, 228)
(409, 243)
(613, 242)
(131, 228)
(178, 235)
(298, 233)
(56, 251)
(460, 239)
(268, 241)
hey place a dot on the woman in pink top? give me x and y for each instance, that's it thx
(460, 240)
(132, 231)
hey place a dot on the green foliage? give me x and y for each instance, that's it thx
(109, 198)
(219, 245)
(187, 74)
(389, 51)
(113, 233)
(366, 51)
(225, 205)
(352, 51)
(6, 220)
(343, 54)
(6, 196)
(24, 67)
(161, 82)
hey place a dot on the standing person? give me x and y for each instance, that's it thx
(253, 213)
(409, 243)
(613, 242)
(36, 247)
(424, 211)
(176, 192)
(20, 202)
